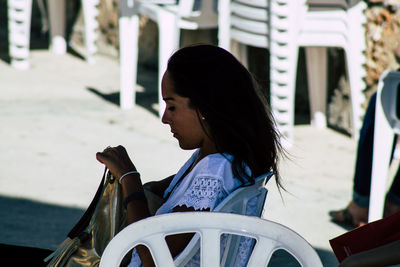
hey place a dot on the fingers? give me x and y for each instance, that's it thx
(103, 156)
(113, 151)
(122, 151)
(116, 159)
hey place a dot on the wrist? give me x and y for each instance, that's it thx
(132, 197)
(128, 174)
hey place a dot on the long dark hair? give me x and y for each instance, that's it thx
(225, 94)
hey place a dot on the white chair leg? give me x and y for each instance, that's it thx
(168, 44)
(90, 13)
(128, 36)
(58, 44)
(355, 61)
(224, 38)
(19, 28)
(356, 74)
(383, 141)
(240, 52)
(316, 61)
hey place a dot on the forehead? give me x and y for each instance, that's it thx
(167, 86)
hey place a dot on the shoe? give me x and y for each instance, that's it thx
(353, 216)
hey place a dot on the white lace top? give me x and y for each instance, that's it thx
(204, 187)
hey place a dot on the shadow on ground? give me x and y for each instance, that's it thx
(146, 97)
(282, 258)
(29, 223)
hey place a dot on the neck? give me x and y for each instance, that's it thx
(204, 152)
(207, 149)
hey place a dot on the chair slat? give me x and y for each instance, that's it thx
(159, 250)
(210, 239)
(262, 252)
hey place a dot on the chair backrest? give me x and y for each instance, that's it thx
(331, 4)
(330, 25)
(390, 82)
(269, 236)
(200, 12)
(386, 125)
(236, 202)
(246, 21)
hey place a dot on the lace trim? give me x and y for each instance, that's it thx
(204, 193)
(245, 246)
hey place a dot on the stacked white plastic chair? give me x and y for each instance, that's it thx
(171, 17)
(387, 124)
(241, 23)
(90, 14)
(321, 26)
(19, 17)
(151, 232)
(282, 26)
(265, 24)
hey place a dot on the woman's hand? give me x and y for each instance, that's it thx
(117, 160)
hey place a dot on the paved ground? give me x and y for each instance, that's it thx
(58, 114)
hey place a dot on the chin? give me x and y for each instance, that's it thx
(186, 146)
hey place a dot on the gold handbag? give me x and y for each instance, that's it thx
(103, 219)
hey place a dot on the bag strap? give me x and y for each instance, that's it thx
(86, 217)
(178, 182)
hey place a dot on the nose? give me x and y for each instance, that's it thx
(165, 118)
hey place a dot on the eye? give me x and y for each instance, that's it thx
(171, 108)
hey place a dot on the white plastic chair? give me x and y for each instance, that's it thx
(236, 202)
(241, 23)
(282, 26)
(19, 23)
(269, 236)
(257, 23)
(325, 26)
(387, 124)
(170, 18)
(19, 17)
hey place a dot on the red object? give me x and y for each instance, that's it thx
(366, 237)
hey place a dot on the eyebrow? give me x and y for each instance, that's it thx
(168, 98)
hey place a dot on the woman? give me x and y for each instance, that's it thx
(212, 105)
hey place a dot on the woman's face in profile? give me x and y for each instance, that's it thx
(181, 117)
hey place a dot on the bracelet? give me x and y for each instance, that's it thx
(125, 174)
(133, 196)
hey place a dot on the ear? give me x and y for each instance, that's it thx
(201, 117)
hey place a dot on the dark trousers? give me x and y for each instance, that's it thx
(363, 168)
